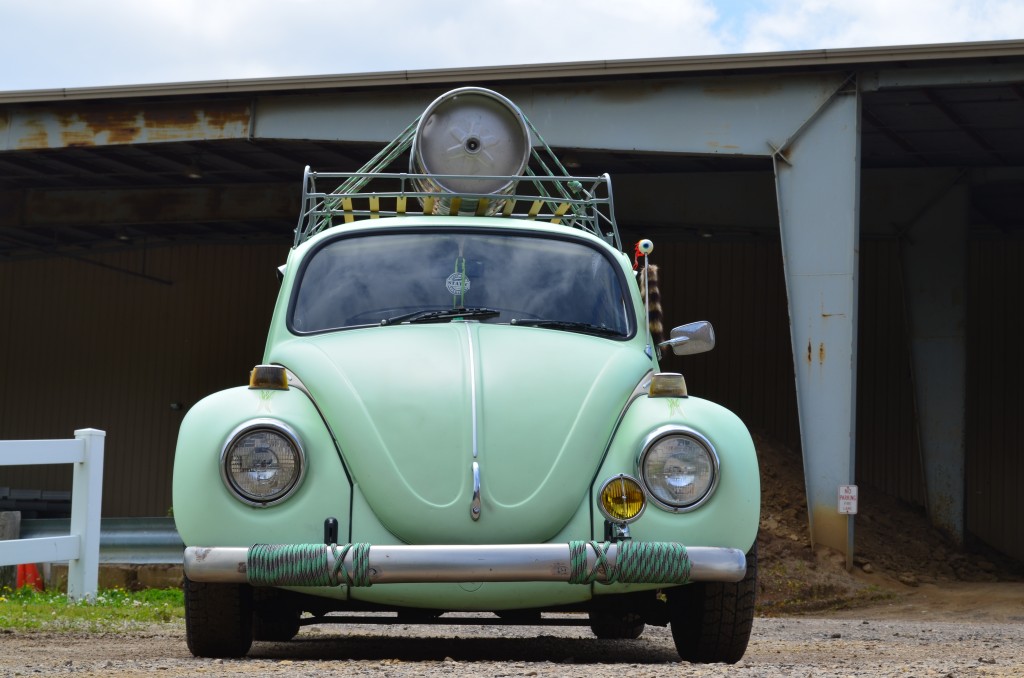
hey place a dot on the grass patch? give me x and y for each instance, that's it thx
(26, 609)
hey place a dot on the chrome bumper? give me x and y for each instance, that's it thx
(467, 563)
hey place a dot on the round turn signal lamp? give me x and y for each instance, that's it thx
(622, 499)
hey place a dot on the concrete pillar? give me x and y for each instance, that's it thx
(934, 257)
(818, 183)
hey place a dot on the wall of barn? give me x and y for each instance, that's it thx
(739, 287)
(87, 345)
(111, 350)
(995, 405)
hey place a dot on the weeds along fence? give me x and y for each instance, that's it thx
(80, 548)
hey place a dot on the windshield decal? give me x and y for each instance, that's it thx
(458, 283)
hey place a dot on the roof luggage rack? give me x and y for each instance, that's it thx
(491, 169)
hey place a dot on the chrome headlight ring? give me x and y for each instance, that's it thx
(262, 462)
(678, 467)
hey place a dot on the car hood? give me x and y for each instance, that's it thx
(402, 402)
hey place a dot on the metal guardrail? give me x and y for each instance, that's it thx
(123, 541)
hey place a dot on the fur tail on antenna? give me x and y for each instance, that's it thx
(654, 303)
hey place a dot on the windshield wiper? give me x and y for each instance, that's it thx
(442, 315)
(570, 325)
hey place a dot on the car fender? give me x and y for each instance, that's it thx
(730, 517)
(207, 513)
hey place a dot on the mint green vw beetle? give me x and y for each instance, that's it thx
(460, 409)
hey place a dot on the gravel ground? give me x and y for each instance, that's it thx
(944, 613)
(871, 644)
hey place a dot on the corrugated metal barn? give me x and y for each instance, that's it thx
(849, 221)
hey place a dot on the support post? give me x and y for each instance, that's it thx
(86, 501)
(817, 176)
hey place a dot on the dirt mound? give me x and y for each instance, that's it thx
(896, 548)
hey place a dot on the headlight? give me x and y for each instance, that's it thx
(679, 468)
(262, 462)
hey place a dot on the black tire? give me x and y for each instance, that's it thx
(218, 619)
(711, 621)
(612, 624)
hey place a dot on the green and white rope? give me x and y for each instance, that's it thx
(308, 565)
(635, 563)
(360, 575)
(324, 564)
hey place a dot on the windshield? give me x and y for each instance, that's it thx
(435, 277)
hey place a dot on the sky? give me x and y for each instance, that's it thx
(54, 44)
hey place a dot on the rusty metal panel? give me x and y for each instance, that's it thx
(699, 115)
(995, 404)
(104, 123)
(90, 346)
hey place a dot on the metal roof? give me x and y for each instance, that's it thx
(907, 55)
(69, 156)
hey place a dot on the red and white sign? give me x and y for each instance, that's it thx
(848, 499)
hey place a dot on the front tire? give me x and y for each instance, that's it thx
(711, 621)
(218, 619)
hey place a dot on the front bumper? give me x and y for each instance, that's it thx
(364, 564)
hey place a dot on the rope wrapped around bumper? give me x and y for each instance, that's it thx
(644, 562)
(308, 565)
(578, 562)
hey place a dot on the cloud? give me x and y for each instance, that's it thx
(74, 44)
(70, 43)
(818, 24)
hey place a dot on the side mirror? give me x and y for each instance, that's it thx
(698, 337)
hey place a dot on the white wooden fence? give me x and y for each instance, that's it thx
(81, 548)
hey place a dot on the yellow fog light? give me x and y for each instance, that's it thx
(622, 499)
